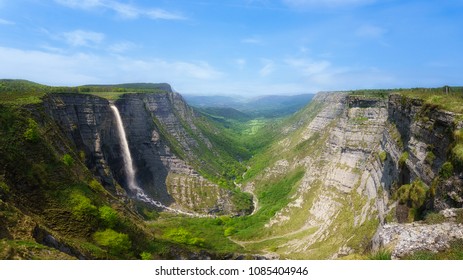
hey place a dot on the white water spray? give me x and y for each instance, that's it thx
(130, 171)
(126, 156)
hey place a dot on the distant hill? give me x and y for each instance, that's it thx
(270, 106)
(214, 101)
(218, 114)
(160, 86)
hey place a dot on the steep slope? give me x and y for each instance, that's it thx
(344, 160)
(167, 147)
(63, 191)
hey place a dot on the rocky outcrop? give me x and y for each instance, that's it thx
(406, 239)
(162, 138)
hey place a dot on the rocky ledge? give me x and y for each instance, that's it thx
(405, 239)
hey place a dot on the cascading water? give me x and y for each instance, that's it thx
(130, 171)
(126, 156)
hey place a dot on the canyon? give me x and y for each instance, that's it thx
(350, 173)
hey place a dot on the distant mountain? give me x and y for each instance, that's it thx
(263, 106)
(214, 101)
(221, 113)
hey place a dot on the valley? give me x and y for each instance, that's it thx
(338, 175)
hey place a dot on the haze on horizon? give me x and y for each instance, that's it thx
(239, 47)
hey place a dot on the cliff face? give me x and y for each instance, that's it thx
(426, 134)
(162, 138)
(362, 150)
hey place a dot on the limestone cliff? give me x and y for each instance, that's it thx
(356, 152)
(163, 140)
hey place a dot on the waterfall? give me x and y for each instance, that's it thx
(130, 171)
(127, 157)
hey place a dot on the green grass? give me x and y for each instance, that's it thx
(22, 92)
(453, 101)
(381, 254)
(434, 218)
(454, 252)
(371, 93)
(210, 230)
(272, 196)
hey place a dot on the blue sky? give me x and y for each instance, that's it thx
(241, 47)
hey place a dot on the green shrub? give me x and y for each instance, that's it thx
(413, 195)
(403, 159)
(458, 135)
(146, 256)
(82, 207)
(381, 254)
(457, 154)
(68, 160)
(434, 218)
(108, 216)
(96, 186)
(82, 156)
(430, 157)
(32, 132)
(116, 243)
(149, 214)
(4, 189)
(181, 235)
(229, 231)
(383, 156)
(446, 170)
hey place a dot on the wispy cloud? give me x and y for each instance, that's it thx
(267, 68)
(127, 11)
(252, 40)
(6, 22)
(323, 74)
(82, 38)
(370, 31)
(121, 47)
(326, 3)
(309, 67)
(80, 68)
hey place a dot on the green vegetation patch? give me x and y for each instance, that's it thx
(446, 170)
(453, 252)
(116, 243)
(434, 218)
(382, 156)
(457, 155)
(272, 196)
(447, 98)
(403, 159)
(371, 93)
(206, 233)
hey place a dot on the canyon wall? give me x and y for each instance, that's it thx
(163, 141)
(357, 151)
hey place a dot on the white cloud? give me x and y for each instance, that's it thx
(309, 67)
(79, 38)
(252, 40)
(163, 14)
(267, 68)
(370, 31)
(128, 11)
(323, 75)
(79, 68)
(326, 3)
(121, 47)
(6, 22)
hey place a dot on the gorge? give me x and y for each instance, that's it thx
(337, 179)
